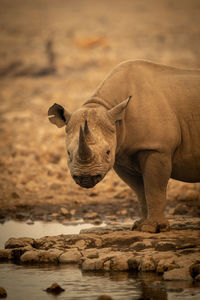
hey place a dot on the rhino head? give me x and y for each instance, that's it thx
(91, 139)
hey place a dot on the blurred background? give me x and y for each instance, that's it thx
(59, 51)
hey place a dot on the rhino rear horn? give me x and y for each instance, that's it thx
(58, 115)
(84, 150)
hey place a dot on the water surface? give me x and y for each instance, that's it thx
(29, 282)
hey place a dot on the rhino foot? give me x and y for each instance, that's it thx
(152, 225)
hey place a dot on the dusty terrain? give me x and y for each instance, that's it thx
(60, 51)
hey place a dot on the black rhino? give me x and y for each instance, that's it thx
(143, 120)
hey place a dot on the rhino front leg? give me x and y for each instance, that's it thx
(136, 183)
(156, 170)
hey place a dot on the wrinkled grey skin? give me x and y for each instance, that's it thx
(152, 137)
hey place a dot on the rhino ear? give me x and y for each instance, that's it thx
(58, 115)
(117, 112)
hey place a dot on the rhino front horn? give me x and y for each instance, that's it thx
(84, 150)
(87, 134)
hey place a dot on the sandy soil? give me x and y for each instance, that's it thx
(59, 51)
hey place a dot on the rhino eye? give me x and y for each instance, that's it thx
(69, 154)
(108, 152)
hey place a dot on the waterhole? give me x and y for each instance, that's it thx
(29, 282)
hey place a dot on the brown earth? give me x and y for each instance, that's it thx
(59, 51)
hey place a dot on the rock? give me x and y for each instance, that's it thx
(19, 242)
(90, 253)
(120, 262)
(55, 186)
(30, 222)
(5, 254)
(141, 245)
(180, 209)
(134, 263)
(104, 297)
(30, 257)
(177, 274)
(195, 270)
(92, 265)
(41, 256)
(147, 264)
(91, 215)
(197, 278)
(100, 263)
(71, 256)
(96, 221)
(122, 212)
(165, 246)
(55, 289)
(3, 293)
(81, 244)
(166, 265)
(64, 211)
(107, 265)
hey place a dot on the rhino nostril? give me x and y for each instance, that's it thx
(97, 178)
(76, 178)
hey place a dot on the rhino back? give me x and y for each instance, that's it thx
(164, 113)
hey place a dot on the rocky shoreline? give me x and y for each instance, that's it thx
(175, 254)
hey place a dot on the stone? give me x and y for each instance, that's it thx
(5, 254)
(55, 186)
(104, 297)
(134, 263)
(30, 257)
(91, 265)
(195, 269)
(147, 264)
(81, 244)
(120, 262)
(90, 215)
(165, 246)
(70, 256)
(180, 209)
(18, 242)
(90, 253)
(107, 265)
(141, 245)
(3, 293)
(41, 256)
(55, 289)
(49, 256)
(181, 274)
(166, 265)
(98, 263)
(197, 278)
(64, 211)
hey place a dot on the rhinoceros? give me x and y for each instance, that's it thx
(143, 120)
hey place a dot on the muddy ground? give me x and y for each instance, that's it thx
(60, 51)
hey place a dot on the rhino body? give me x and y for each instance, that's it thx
(149, 139)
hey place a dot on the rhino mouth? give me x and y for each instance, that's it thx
(87, 181)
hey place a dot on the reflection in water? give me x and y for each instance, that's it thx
(20, 281)
(38, 229)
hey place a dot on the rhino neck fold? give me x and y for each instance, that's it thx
(97, 101)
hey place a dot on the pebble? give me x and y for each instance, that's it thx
(3, 293)
(104, 297)
(55, 289)
(195, 270)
